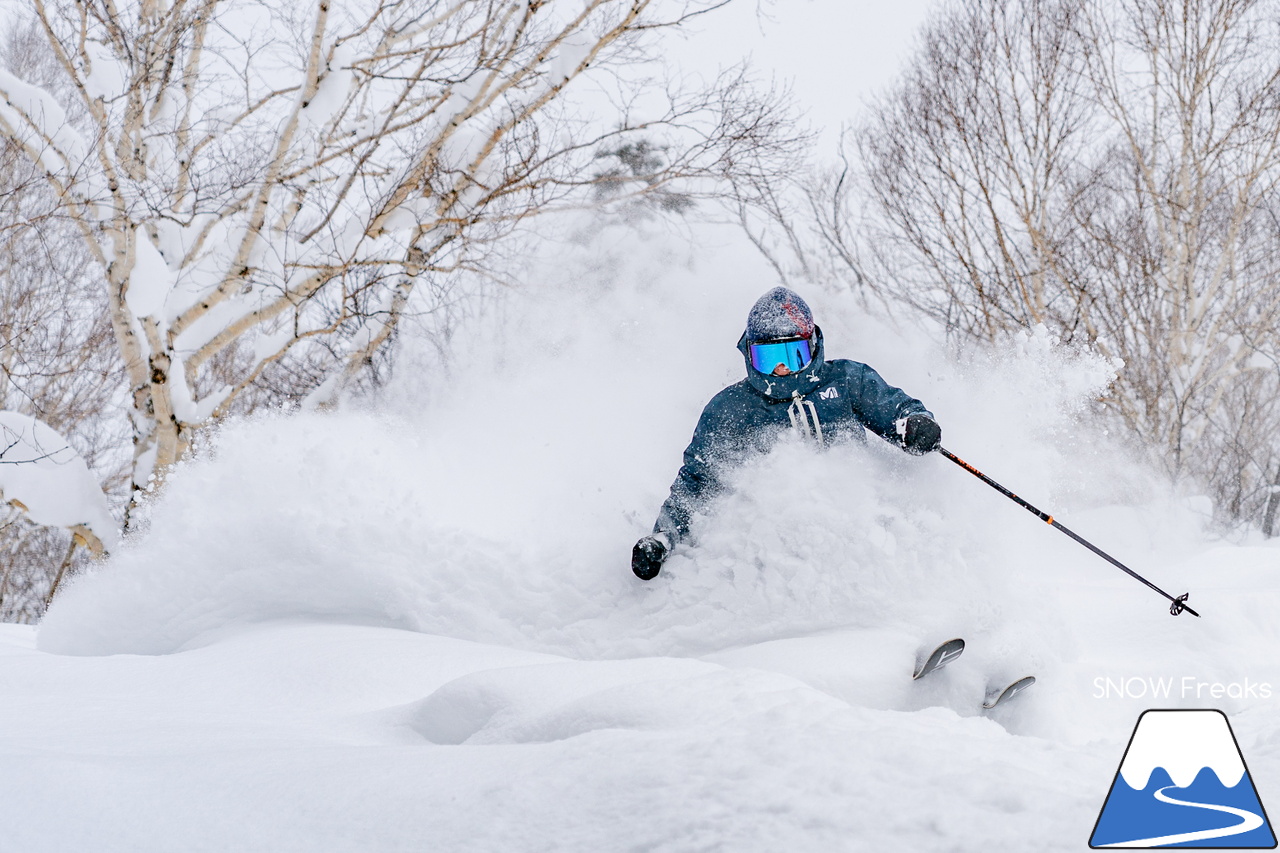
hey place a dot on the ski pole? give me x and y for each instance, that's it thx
(1178, 605)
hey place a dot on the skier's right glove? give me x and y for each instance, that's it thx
(647, 556)
(919, 434)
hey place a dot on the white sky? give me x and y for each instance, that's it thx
(835, 53)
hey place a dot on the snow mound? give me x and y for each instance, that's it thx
(550, 702)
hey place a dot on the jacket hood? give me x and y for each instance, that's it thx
(785, 387)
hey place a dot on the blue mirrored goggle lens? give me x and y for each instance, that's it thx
(796, 355)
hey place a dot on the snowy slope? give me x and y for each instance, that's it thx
(311, 737)
(414, 627)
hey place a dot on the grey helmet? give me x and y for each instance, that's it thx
(778, 315)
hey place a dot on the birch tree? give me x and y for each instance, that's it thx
(265, 185)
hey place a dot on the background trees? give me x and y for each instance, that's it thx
(1108, 170)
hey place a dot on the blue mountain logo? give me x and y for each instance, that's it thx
(1183, 783)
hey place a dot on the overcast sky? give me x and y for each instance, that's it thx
(835, 53)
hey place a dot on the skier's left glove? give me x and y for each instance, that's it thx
(919, 434)
(647, 556)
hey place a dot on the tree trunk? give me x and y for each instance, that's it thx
(62, 570)
(1273, 503)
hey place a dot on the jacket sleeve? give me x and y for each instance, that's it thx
(878, 404)
(712, 447)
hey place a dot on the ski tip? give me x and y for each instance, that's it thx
(938, 658)
(994, 698)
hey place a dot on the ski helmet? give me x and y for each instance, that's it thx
(778, 315)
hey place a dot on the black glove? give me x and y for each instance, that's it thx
(647, 557)
(920, 434)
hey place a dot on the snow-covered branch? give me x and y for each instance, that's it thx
(44, 477)
(268, 183)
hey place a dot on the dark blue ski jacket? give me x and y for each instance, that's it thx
(825, 401)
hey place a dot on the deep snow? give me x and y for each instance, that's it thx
(413, 626)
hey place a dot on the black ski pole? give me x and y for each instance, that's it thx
(1178, 605)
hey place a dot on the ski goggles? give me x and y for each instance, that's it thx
(795, 353)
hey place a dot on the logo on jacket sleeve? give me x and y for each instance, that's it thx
(1183, 782)
(828, 394)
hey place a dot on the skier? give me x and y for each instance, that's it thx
(789, 385)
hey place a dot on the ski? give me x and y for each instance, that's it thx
(995, 697)
(939, 657)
